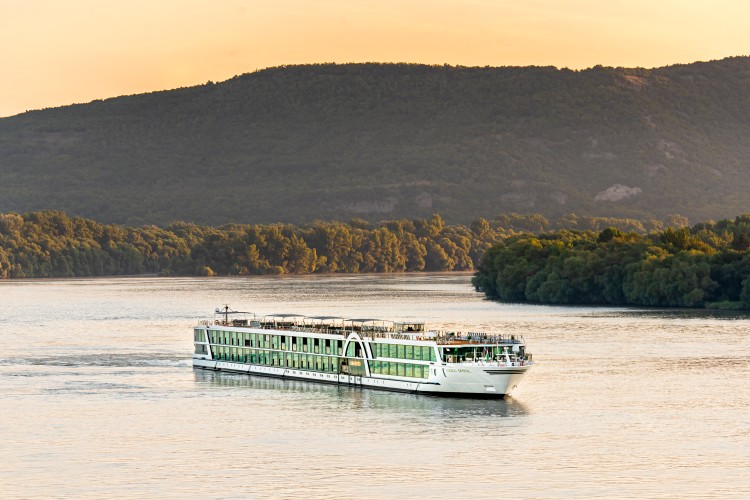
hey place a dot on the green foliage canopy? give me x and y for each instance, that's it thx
(704, 265)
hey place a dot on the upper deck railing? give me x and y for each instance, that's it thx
(441, 337)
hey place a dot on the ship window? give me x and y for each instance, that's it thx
(409, 352)
(392, 350)
(409, 370)
(400, 351)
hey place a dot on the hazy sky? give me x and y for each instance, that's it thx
(55, 52)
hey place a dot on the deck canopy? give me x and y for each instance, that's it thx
(282, 318)
(409, 327)
(370, 324)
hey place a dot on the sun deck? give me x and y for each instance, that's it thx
(365, 328)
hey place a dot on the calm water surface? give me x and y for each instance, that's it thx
(98, 399)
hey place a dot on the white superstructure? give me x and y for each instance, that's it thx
(363, 352)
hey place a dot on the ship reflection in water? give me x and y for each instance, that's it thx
(357, 397)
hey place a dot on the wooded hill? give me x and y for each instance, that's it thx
(390, 141)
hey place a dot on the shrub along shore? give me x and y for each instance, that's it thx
(706, 265)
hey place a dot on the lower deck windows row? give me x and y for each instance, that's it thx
(399, 369)
(315, 362)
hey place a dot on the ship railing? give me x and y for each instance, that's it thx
(495, 363)
(442, 337)
(448, 337)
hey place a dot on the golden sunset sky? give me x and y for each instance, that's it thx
(55, 52)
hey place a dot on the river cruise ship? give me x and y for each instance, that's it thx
(373, 353)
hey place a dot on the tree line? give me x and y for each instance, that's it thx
(706, 265)
(48, 244)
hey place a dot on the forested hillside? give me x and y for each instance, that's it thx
(706, 265)
(384, 141)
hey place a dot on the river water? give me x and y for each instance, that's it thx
(98, 399)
